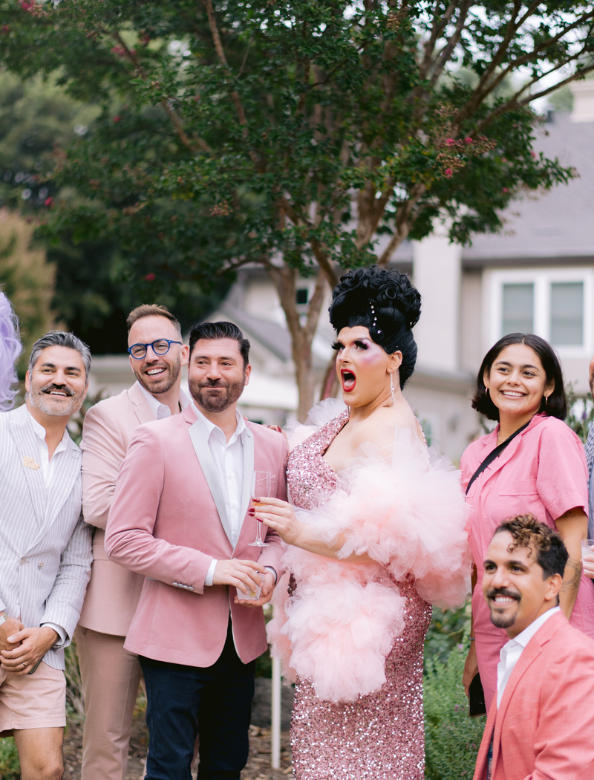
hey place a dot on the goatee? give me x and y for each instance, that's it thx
(227, 394)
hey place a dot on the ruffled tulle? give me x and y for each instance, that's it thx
(405, 511)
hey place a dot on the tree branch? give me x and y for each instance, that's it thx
(403, 224)
(212, 23)
(171, 112)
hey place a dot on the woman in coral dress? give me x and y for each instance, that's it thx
(542, 471)
(376, 535)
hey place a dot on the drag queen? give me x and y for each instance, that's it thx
(376, 535)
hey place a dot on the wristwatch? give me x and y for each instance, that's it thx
(2, 619)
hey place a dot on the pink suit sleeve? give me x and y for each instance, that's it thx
(103, 451)
(562, 479)
(129, 538)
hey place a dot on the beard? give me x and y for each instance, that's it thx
(502, 621)
(41, 400)
(228, 394)
(166, 380)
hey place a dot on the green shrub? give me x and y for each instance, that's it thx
(10, 769)
(451, 737)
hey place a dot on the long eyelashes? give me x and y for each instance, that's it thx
(361, 344)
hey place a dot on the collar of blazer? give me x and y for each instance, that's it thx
(531, 652)
(46, 503)
(202, 450)
(141, 405)
(490, 442)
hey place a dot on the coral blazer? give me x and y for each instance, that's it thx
(544, 725)
(113, 592)
(168, 521)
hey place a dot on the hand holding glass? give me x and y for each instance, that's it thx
(262, 485)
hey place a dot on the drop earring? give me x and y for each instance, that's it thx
(392, 388)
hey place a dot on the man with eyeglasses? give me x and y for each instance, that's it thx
(110, 674)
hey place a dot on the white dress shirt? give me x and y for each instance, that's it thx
(47, 466)
(161, 410)
(228, 459)
(511, 651)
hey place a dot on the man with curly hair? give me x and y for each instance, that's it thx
(540, 723)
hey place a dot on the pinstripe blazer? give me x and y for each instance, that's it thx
(45, 547)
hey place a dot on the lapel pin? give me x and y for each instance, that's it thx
(30, 463)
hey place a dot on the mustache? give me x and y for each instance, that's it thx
(492, 592)
(61, 388)
(213, 383)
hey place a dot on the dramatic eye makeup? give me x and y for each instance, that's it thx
(361, 344)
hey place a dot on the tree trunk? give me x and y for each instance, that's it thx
(302, 334)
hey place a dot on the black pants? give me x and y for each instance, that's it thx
(214, 702)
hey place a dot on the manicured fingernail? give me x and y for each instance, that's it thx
(251, 512)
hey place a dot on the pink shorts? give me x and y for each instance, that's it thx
(33, 701)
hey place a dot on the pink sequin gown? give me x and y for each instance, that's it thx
(379, 736)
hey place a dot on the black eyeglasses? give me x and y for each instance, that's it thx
(160, 347)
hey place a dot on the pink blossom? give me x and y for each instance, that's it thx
(119, 50)
(27, 6)
(150, 277)
(117, 118)
(450, 141)
(5, 28)
(468, 140)
(48, 202)
(448, 173)
(504, 189)
(533, 153)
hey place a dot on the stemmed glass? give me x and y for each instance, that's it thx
(261, 486)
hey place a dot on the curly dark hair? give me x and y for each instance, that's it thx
(385, 302)
(556, 403)
(551, 553)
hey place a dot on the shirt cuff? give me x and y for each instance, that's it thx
(273, 572)
(210, 573)
(63, 636)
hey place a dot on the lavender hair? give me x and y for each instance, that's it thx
(10, 349)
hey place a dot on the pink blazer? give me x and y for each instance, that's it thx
(544, 725)
(113, 592)
(542, 471)
(167, 522)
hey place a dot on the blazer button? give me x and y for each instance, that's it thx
(40, 565)
(23, 561)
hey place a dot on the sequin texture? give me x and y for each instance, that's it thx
(379, 736)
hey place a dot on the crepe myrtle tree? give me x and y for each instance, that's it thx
(293, 134)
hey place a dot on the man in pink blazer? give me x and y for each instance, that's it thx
(541, 722)
(180, 517)
(110, 674)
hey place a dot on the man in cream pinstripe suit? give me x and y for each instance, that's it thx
(45, 551)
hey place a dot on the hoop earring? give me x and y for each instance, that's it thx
(392, 388)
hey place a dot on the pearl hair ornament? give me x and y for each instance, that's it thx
(374, 315)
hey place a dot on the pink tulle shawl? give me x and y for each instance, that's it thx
(409, 515)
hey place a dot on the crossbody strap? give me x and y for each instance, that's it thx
(494, 454)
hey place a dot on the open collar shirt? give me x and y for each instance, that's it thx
(161, 411)
(511, 651)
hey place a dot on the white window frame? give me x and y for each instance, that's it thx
(542, 279)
